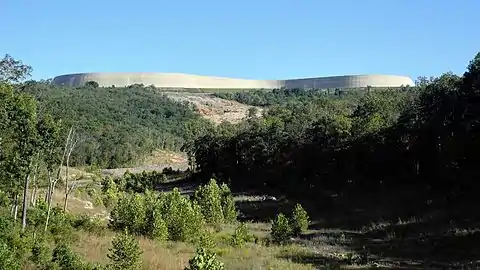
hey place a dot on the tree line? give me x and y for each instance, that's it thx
(425, 136)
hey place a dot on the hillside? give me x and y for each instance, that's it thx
(214, 108)
(118, 126)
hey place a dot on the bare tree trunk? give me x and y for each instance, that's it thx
(33, 197)
(47, 193)
(15, 208)
(53, 181)
(51, 187)
(25, 202)
(72, 142)
(12, 208)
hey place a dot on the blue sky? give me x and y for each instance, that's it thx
(258, 39)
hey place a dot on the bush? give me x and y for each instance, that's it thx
(155, 226)
(184, 218)
(89, 224)
(109, 192)
(281, 230)
(129, 213)
(125, 253)
(41, 254)
(206, 241)
(241, 235)
(66, 259)
(209, 197)
(37, 215)
(13, 242)
(60, 226)
(228, 205)
(8, 261)
(299, 220)
(204, 260)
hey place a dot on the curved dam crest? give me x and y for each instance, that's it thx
(180, 80)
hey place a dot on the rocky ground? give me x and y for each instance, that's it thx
(214, 108)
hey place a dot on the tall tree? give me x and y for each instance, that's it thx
(19, 115)
(13, 71)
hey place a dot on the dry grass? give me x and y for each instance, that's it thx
(94, 248)
(175, 255)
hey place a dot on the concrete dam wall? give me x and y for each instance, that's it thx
(179, 80)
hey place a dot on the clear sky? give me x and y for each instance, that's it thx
(257, 39)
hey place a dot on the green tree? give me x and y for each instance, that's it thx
(125, 253)
(13, 71)
(281, 229)
(300, 220)
(204, 260)
(19, 117)
(91, 84)
(209, 198)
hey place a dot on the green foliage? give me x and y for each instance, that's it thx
(90, 224)
(155, 226)
(281, 230)
(12, 70)
(204, 260)
(60, 226)
(125, 253)
(66, 259)
(139, 182)
(183, 217)
(8, 260)
(41, 253)
(228, 204)
(209, 198)
(129, 213)
(119, 125)
(109, 192)
(205, 240)
(241, 236)
(300, 220)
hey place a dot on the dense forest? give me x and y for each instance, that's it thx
(426, 136)
(281, 96)
(117, 126)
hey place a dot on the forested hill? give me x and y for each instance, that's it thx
(117, 126)
(282, 96)
(427, 136)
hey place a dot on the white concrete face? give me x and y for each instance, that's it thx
(178, 80)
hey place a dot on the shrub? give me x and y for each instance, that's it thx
(89, 224)
(37, 215)
(204, 260)
(13, 242)
(109, 192)
(66, 259)
(60, 226)
(299, 220)
(125, 253)
(155, 225)
(129, 213)
(41, 254)
(8, 261)
(184, 218)
(281, 230)
(210, 200)
(228, 205)
(206, 241)
(241, 235)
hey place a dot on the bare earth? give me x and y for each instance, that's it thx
(214, 108)
(156, 162)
